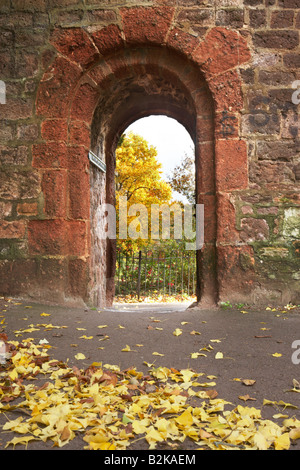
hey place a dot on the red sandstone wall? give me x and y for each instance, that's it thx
(44, 211)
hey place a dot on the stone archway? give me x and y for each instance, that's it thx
(100, 82)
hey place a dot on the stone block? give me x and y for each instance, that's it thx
(54, 187)
(54, 130)
(222, 50)
(254, 230)
(47, 237)
(84, 103)
(231, 165)
(15, 229)
(78, 190)
(146, 24)
(275, 39)
(107, 39)
(291, 223)
(75, 43)
(50, 155)
(54, 89)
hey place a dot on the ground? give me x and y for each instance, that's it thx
(246, 355)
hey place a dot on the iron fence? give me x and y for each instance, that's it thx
(155, 272)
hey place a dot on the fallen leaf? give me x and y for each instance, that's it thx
(248, 382)
(185, 419)
(197, 354)
(80, 356)
(296, 384)
(127, 349)
(294, 433)
(246, 398)
(177, 332)
(282, 442)
(219, 355)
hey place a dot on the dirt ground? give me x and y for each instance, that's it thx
(252, 344)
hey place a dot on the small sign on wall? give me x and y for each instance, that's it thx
(97, 161)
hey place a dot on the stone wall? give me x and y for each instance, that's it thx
(54, 56)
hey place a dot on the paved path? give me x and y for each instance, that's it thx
(247, 341)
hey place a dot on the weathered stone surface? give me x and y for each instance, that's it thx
(231, 165)
(76, 44)
(146, 25)
(254, 230)
(15, 229)
(222, 50)
(77, 73)
(19, 185)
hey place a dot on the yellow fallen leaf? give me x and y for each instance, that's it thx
(177, 332)
(45, 314)
(260, 441)
(280, 402)
(85, 337)
(13, 374)
(127, 349)
(187, 374)
(102, 326)
(152, 437)
(185, 419)
(294, 433)
(157, 354)
(277, 355)
(282, 442)
(219, 355)
(20, 440)
(196, 354)
(102, 446)
(248, 382)
(80, 356)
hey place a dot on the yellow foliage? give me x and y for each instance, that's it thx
(139, 179)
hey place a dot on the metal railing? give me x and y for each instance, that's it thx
(155, 272)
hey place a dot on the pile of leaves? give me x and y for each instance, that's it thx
(112, 409)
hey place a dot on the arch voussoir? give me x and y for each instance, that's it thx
(146, 25)
(220, 50)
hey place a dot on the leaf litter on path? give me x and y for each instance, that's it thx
(113, 409)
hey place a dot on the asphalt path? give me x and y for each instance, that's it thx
(246, 344)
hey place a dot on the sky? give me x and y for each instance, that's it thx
(171, 139)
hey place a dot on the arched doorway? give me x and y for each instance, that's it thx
(97, 85)
(151, 81)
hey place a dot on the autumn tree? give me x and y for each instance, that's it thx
(182, 178)
(139, 182)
